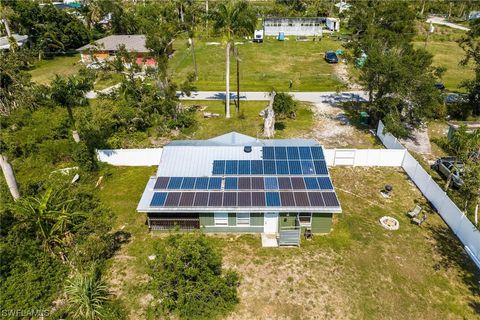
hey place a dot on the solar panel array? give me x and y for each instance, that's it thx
(244, 183)
(245, 199)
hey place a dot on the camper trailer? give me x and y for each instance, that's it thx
(258, 36)
(332, 24)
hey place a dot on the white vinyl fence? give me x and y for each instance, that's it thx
(468, 234)
(130, 157)
(364, 157)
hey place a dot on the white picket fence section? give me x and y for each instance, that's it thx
(468, 234)
(130, 157)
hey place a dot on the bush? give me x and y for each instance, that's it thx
(284, 105)
(188, 278)
(84, 157)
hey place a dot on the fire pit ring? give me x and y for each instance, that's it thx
(389, 223)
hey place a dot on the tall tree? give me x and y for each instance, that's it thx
(69, 92)
(232, 19)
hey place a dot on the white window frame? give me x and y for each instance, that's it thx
(242, 220)
(220, 219)
(305, 215)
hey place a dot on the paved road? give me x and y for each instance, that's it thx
(443, 21)
(93, 94)
(315, 97)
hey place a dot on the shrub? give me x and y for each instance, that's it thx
(188, 278)
(84, 157)
(284, 105)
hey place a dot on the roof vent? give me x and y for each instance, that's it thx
(247, 149)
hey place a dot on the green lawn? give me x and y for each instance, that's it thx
(358, 271)
(263, 66)
(44, 71)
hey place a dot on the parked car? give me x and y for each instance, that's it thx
(258, 36)
(96, 65)
(447, 166)
(440, 86)
(454, 98)
(331, 57)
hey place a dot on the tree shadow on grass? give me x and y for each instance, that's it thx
(452, 254)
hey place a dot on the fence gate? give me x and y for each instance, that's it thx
(344, 157)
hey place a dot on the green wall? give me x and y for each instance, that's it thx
(287, 219)
(321, 222)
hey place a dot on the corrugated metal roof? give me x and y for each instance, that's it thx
(111, 43)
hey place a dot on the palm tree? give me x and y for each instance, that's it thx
(69, 92)
(52, 219)
(86, 295)
(232, 19)
(9, 175)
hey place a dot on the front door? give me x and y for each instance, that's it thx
(270, 222)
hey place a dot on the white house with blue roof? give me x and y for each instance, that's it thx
(237, 183)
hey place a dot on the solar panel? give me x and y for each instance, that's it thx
(244, 199)
(231, 167)
(257, 183)
(201, 199)
(273, 199)
(330, 199)
(301, 199)
(215, 183)
(316, 199)
(161, 183)
(311, 183)
(172, 199)
(269, 167)
(158, 199)
(287, 199)
(175, 183)
(271, 183)
(231, 183)
(215, 199)
(230, 199)
(320, 167)
(258, 199)
(282, 167)
(280, 153)
(292, 153)
(284, 183)
(257, 167)
(201, 183)
(218, 166)
(244, 183)
(244, 167)
(305, 153)
(295, 167)
(317, 153)
(188, 183)
(186, 199)
(297, 183)
(324, 183)
(268, 153)
(307, 167)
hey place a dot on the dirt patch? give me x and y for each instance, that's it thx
(341, 72)
(419, 142)
(332, 131)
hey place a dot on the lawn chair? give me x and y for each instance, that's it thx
(419, 221)
(415, 212)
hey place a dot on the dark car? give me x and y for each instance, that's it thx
(447, 166)
(331, 57)
(440, 86)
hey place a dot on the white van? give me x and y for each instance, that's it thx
(258, 36)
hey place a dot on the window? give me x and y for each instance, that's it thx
(243, 219)
(220, 219)
(305, 219)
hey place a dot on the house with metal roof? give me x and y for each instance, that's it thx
(237, 183)
(106, 49)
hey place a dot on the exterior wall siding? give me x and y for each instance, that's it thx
(321, 222)
(251, 229)
(287, 219)
(256, 219)
(206, 219)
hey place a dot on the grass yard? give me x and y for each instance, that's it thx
(358, 271)
(263, 66)
(44, 71)
(247, 121)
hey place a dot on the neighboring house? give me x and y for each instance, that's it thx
(333, 24)
(5, 42)
(106, 49)
(453, 127)
(293, 26)
(236, 183)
